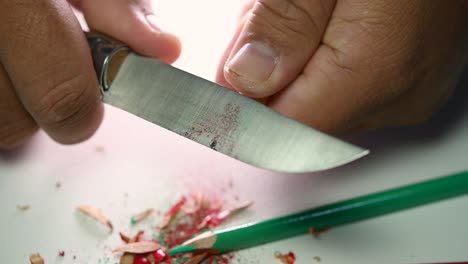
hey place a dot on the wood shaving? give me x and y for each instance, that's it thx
(171, 213)
(125, 238)
(35, 258)
(96, 214)
(142, 216)
(138, 247)
(127, 259)
(214, 220)
(240, 207)
(288, 258)
(196, 258)
(136, 238)
(195, 202)
(23, 207)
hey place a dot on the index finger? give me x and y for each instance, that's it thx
(48, 61)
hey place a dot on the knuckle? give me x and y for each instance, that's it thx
(287, 24)
(337, 60)
(14, 134)
(64, 102)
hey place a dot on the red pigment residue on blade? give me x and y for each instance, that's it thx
(218, 128)
(288, 258)
(187, 217)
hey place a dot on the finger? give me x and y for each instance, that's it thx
(220, 79)
(137, 26)
(16, 125)
(359, 67)
(277, 40)
(48, 61)
(409, 108)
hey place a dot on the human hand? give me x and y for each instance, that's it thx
(46, 73)
(349, 65)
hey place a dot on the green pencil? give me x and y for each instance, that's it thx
(324, 217)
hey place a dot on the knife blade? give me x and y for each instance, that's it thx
(212, 115)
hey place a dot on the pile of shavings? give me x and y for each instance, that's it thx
(187, 217)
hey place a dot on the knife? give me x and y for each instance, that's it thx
(210, 114)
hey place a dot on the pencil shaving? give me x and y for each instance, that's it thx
(241, 207)
(138, 247)
(35, 258)
(288, 258)
(171, 213)
(195, 202)
(196, 259)
(125, 238)
(127, 259)
(213, 220)
(142, 216)
(136, 238)
(96, 214)
(23, 207)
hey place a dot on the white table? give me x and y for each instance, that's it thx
(131, 165)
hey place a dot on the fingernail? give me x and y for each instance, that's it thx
(253, 64)
(151, 19)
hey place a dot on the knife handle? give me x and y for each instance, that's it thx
(108, 55)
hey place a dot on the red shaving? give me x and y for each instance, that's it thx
(159, 255)
(190, 215)
(140, 260)
(288, 258)
(190, 221)
(61, 253)
(167, 217)
(214, 220)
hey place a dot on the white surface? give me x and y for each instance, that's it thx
(153, 166)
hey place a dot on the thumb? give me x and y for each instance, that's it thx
(136, 26)
(275, 42)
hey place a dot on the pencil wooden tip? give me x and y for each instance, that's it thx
(203, 241)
